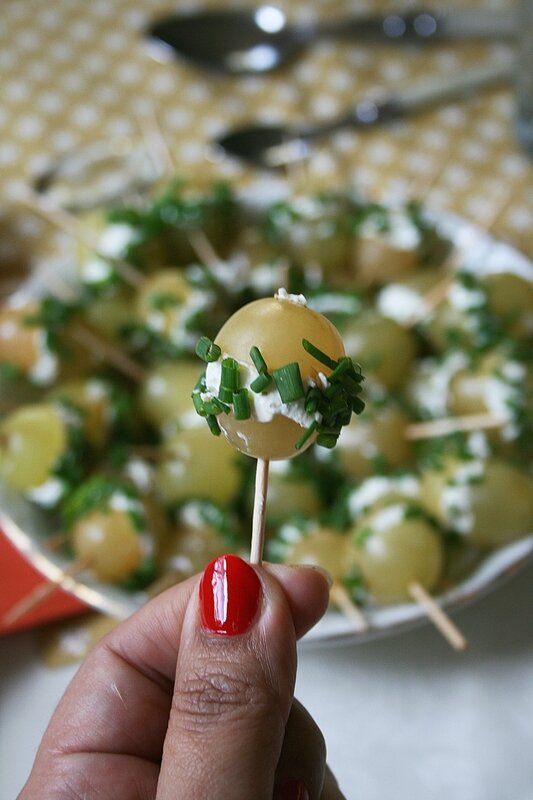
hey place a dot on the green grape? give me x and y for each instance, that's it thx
(109, 542)
(488, 502)
(165, 394)
(199, 465)
(382, 254)
(161, 304)
(276, 326)
(382, 490)
(20, 344)
(195, 541)
(393, 548)
(32, 440)
(494, 384)
(289, 494)
(315, 233)
(510, 297)
(375, 442)
(91, 396)
(371, 339)
(110, 313)
(320, 546)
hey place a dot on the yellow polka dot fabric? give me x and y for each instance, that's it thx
(74, 74)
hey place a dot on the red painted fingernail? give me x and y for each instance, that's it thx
(229, 595)
(294, 789)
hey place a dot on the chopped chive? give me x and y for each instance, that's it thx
(328, 440)
(230, 380)
(207, 349)
(312, 400)
(288, 382)
(319, 355)
(259, 362)
(226, 395)
(200, 383)
(214, 427)
(198, 404)
(241, 404)
(344, 364)
(261, 383)
(357, 405)
(338, 405)
(230, 377)
(215, 406)
(306, 435)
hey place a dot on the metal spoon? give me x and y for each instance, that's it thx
(275, 145)
(260, 40)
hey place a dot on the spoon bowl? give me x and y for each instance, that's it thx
(233, 41)
(261, 40)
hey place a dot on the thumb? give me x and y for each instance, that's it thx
(235, 679)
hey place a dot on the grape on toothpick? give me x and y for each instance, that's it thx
(277, 380)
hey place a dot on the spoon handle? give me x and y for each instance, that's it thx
(425, 26)
(421, 96)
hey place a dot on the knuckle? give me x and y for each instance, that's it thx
(214, 690)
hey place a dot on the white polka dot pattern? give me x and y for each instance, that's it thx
(72, 73)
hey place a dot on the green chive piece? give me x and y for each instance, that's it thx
(200, 383)
(207, 349)
(288, 382)
(241, 404)
(358, 405)
(344, 364)
(328, 440)
(215, 406)
(198, 404)
(261, 383)
(230, 380)
(226, 395)
(312, 400)
(259, 362)
(214, 427)
(319, 355)
(306, 435)
(230, 377)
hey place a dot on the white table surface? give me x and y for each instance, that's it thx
(404, 717)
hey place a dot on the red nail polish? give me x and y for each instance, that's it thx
(293, 789)
(230, 590)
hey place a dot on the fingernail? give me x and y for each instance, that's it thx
(293, 789)
(230, 591)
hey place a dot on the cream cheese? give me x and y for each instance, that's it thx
(48, 494)
(45, 369)
(264, 407)
(373, 489)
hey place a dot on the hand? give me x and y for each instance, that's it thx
(192, 697)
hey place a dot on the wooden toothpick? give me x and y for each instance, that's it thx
(342, 599)
(259, 512)
(438, 617)
(42, 592)
(70, 224)
(112, 355)
(442, 427)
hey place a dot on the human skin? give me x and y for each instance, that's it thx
(168, 707)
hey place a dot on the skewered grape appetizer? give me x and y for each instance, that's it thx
(269, 388)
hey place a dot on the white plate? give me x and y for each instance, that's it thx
(27, 526)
